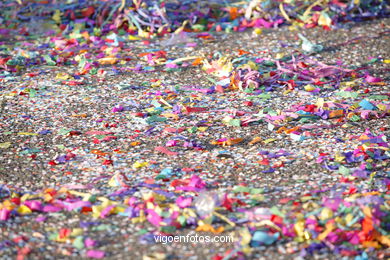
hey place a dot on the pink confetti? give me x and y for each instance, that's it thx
(34, 205)
(95, 254)
(98, 133)
(51, 208)
(371, 79)
(89, 242)
(40, 219)
(165, 150)
(77, 205)
(171, 143)
(153, 217)
(4, 214)
(196, 109)
(183, 202)
(105, 212)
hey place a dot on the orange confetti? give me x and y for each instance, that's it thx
(197, 62)
(209, 228)
(233, 13)
(384, 240)
(143, 54)
(288, 131)
(80, 115)
(98, 152)
(255, 140)
(367, 225)
(242, 52)
(336, 113)
(373, 244)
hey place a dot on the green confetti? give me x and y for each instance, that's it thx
(274, 210)
(235, 122)
(347, 94)
(378, 97)
(153, 119)
(78, 242)
(344, 170)
(241, 189)
(168, 229)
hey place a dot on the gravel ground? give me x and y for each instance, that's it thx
(222, 167)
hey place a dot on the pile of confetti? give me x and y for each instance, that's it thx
(93, 112)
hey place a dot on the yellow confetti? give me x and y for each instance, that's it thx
(78, 27)
(381, 107)
(308, 10)
(348, 84)
(7, 205)
(171, 115)
(270, 140)
(29, 197)
(267, 223)
(57, 16)
(224, 219)
(329, 228)
(108, 60)
(266, 75)
(23, 210)
(143, 34)
(299, 228)
(245, 236)
(122, 5)
(306, 198)
(118, 209)
(113, 182)
(284, 12)
(96, 211)
(320, 102)
(63, 76)
(348, 218)
(26, 133)
(253, 65)
(5, 145)
(154, 256)
(185, 59)
(258, 31)
(367, 212)
(133, 38)
(279, 55)
(156, 84)
(221, 67)
(326, 213)
(165, 103)
(309, 88)
(139, 164)
(181, 28)
(339, 157)
(324, 20)
(139, 219)
(77, 232)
